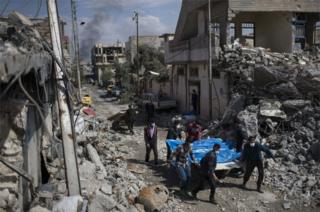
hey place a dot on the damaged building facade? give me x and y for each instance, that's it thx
(104, 57)
(281, 26)
(26, 90)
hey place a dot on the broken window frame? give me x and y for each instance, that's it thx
(194, 72)
(247, 25)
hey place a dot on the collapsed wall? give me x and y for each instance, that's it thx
(277, 97)
(25, 73)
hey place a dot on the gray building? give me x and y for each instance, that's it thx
(281, 26)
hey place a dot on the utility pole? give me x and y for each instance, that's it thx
(68, 136)
(75, 33)
(210, 58)
(136, 19)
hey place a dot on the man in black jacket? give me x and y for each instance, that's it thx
(252, 156)
(208, 165)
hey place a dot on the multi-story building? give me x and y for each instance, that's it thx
(281, 26)
(103, 58)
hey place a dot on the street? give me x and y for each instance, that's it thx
(230, 195)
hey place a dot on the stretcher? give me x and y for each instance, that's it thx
(226, 159)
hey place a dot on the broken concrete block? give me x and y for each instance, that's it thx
(154, 197)
(271, 108)
(67, 204)
(286, 205)
(101, 203)
(106, 189)
(38, 208)
(248, 123)
(4, 198)
(94, 157)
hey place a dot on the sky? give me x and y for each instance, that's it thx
(106, 21)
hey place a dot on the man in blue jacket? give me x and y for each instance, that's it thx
(252, 156)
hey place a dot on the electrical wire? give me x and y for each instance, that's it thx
(39, 3)
(5, 7)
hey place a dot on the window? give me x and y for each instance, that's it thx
(180, 71)
(247, 34)
(215, 72)
(194, 72)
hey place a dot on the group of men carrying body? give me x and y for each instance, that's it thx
(182, 158)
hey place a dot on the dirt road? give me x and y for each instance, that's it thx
(230, 196)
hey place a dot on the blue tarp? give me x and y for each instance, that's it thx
(200, 148)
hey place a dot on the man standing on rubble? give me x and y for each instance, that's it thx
(207, 166)
(182, 164)
(150, 139)
(130, 117)
(251, 154)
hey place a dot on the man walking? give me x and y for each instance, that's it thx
(252, 156)
(182, 164)
(130, 118)
(207, 166)
(150, 138)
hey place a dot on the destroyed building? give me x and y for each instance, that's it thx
(282, 26)
(26, 99)
(104, 57)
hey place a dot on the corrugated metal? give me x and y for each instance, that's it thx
(275, 5)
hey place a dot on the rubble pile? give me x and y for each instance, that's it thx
(108, 182)
(276, 96)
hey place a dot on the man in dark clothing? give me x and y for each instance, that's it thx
(207, 166)
(150, 110)
(251, 154)
(130, 118)
(194, 131)
(150, 138)
(194, 100)
(174, 133)
(182, 164)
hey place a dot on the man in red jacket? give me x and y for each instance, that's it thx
(150, 139)
(194, 131)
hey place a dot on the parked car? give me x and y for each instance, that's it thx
(160, 103)
(86, 100)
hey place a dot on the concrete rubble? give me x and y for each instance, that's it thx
(281, 97)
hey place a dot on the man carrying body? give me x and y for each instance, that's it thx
(150, 138)
(194, 131)
(251, 154)
(182, 155)
(174, 133)
(208, 165)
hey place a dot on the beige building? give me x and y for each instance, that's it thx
(103, 58)
(282, 26)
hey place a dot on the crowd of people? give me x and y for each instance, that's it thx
(182, 158)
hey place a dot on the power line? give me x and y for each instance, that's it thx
(5, 7)
(39, 3)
